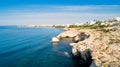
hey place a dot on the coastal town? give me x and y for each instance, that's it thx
(108, 22)
(97, 47)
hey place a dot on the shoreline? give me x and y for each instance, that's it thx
(93, 44)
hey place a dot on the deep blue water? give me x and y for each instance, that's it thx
(32, 47)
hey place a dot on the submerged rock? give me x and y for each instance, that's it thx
(63, 53)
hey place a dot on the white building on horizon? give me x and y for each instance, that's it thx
(79, 24)
(92, 22)
(117, 18)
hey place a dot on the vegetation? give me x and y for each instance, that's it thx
(113, 20)
(87, 26)
(114, 41)
(59, 26)
(97, 25)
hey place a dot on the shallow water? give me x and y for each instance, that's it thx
(32, 47)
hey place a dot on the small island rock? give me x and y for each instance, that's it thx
(55, 39)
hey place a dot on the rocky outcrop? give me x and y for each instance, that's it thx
(94, 48)
(102, 47)
(70, 33)
(55, 39)
(80, 37)
(106, 55)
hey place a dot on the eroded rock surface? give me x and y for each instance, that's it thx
(81, 36)
(100, 48)
(104, 47)
(68, 34)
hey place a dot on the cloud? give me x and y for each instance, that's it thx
(53, 18)
(50, 14)
(58, 8)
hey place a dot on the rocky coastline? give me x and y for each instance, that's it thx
(95, 47)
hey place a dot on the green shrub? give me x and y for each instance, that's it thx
(59, 26)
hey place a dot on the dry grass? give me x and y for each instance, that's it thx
(111, 41)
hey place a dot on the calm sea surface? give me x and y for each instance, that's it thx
(32, 47)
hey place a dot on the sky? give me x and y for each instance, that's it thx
(21, 12)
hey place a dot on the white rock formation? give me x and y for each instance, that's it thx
(55, 39)
(68, 34)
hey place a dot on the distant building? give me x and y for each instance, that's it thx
(79, 24)
(103, 23)
(117, 18)
(92, 22)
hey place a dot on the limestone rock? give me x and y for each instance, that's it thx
(104, 47)
(68, 34)
(55, 39)
(82, 36)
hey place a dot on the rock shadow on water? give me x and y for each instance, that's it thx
(68, 40)
(54, 43)
(83, 59)
(63, 48)
(62, 53)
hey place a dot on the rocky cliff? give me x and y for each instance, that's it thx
(104, 47)
(98, 48)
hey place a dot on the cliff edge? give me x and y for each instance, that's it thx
(96, 47)
(103, 45)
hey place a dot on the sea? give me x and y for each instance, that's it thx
(32, 47)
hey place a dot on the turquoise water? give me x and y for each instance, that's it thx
(31, 47)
